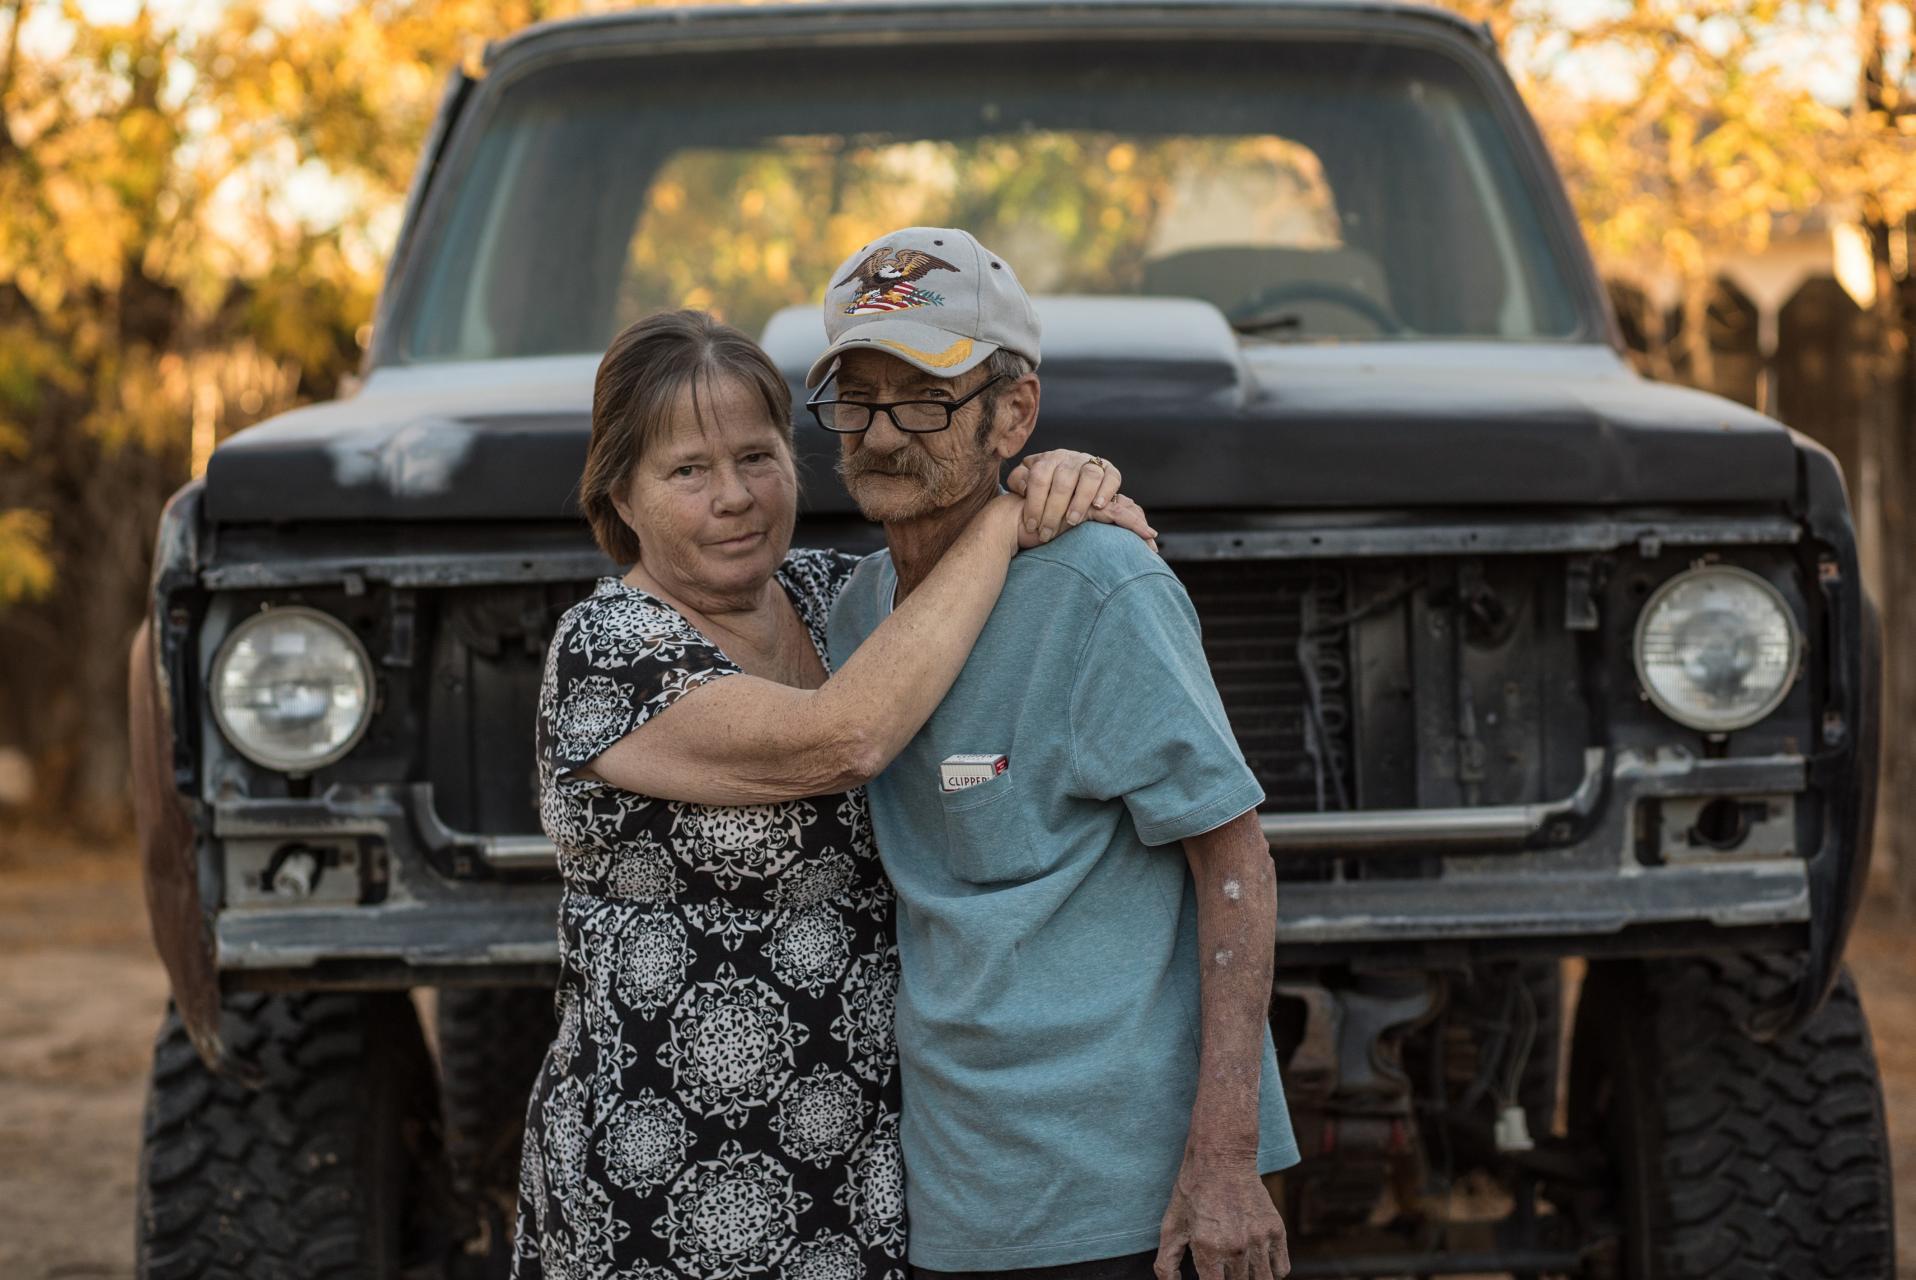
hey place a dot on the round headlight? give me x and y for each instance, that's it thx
(292, 689)
(1716, 648)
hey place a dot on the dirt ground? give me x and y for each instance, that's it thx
(81, 996)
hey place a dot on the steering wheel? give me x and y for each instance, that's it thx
(1266, 309)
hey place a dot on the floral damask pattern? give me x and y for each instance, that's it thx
(868, 1001)
(719, 1102)
(731, 1046)
(810, 949)
(830, 1257)
(741, 842)
(821, 1117)
(651, 963)
(732, 1216)
(874, 1188)
(643, 1142)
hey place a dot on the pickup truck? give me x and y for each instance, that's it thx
(1562, 684)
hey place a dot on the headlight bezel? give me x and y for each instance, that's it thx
(1776, 598)
(238, 742)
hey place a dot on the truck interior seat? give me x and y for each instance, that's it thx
(1233, 277)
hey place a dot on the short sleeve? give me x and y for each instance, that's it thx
(1147, 725)
(617, 659)
(818, 576)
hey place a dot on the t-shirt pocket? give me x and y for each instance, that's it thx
(988, 833)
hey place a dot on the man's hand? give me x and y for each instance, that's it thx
(1225, 1217)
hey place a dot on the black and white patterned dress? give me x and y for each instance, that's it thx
(720, 1101)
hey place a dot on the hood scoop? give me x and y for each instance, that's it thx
(1160, 348)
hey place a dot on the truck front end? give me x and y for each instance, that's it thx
(1546, 670)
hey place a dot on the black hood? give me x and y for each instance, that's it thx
(1195, 423)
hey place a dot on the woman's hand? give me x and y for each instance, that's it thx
(1062, 487)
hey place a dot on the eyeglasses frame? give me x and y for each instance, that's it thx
(951, 408)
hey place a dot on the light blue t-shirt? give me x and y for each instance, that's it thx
(1047, 927)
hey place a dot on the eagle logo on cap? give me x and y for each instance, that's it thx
(887, 281)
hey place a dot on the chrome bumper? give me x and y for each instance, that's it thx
(1507, 873)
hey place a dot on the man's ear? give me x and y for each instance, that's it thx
(1017, 417)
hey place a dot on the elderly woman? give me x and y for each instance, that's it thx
(720, 1096)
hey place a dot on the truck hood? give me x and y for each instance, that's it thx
(1161, 386)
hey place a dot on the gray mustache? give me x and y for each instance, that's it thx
(852, 470)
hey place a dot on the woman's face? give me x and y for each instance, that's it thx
(713, 500)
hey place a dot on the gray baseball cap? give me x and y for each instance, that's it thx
(931, 296)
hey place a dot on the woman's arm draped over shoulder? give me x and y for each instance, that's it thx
(743, 740)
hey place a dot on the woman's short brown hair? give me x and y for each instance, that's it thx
(641, 378)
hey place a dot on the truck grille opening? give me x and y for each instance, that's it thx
(1287, 693)
(1280, 654)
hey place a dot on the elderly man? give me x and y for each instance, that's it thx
(1089, 1083)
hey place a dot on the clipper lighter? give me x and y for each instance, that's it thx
(955, 773)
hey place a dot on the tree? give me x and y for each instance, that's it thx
(1688, 140)
(1878, 173)
(158, 291)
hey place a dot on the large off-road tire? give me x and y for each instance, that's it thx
(323, 1166)
(1733, 1157)
(492, 1041)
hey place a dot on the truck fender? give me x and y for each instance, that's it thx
(174, 912)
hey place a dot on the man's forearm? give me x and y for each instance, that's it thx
(1237, 934)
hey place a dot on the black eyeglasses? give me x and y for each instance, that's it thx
(854, 417)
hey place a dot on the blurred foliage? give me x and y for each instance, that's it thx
(1075, 211)
(25, 570)
(1695, 130)
(194, 212)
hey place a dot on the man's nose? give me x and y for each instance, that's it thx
(883, 435)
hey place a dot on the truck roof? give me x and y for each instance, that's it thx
(941, 15)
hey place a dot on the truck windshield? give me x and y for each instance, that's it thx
(1312, 190)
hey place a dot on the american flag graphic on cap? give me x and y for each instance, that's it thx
(899, 297)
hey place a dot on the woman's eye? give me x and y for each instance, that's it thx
(755, 458)
(685, 472)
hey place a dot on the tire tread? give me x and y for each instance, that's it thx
(492, 1041)
(241, 1183)
(1764, 1158)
